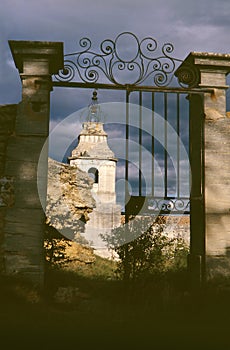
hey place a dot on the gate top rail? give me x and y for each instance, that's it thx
(131, 88)
(126, 61)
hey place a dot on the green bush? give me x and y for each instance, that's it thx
(144, 250)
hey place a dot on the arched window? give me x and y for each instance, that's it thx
(93, 173)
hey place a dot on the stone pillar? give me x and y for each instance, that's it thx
(7, 124)
(212, 69)
(24, 222)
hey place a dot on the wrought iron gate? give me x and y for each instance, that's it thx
(146, 72)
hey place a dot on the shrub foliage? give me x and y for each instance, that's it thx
(144, 249)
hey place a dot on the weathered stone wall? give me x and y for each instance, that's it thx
(24, 221)
(178, 226)
(212, 70)
(7, 126)
(217, 168)
(69, 198)
(217, 195)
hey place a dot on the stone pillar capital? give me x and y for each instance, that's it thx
(207, 70)
(37, 57)
(36, 62)
(213, 68)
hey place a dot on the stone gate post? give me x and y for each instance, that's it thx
(24, 221)
(212, 70)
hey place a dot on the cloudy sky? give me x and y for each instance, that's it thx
(197, 25)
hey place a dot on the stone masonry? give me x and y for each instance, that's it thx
(213, 69)
(7, 125)
(24, 220)
(69, 199)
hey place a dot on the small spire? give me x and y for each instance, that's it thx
(94, 97)
(94, 111)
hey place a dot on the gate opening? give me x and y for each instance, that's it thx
(146, 79)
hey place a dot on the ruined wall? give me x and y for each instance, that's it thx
(178, 226)
(69, 198)
(7, 125)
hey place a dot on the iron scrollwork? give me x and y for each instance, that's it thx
(169, 205)
(188, 75)
(126, 60)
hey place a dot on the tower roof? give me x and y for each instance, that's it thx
(92, 143)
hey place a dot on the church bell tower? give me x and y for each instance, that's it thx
(94, 156)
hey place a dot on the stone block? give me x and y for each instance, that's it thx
(14, 263)
(217, 266)
(25, 215)
(212, 78)
(26, 195)
(217, 198)
(21, 170)
(3, 138)
(7, 120)
(26, 149)
(2, 148)
(34, 66)
(26, 229)
(23, 243)
(33, 112)
(2, 167)
(29, 51)
(217, 233)
(21, 265)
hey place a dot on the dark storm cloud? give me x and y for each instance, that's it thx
(196, 12)
(190, 25)
(198, 25)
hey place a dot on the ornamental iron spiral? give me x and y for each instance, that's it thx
(126, 60)
(188, 75)
(168, 205)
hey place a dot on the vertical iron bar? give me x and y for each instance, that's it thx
(188, 97)
(127, 156)
(140, 143)
(127, 214)
(153, 106)
(178, 145)
(165, 145)
(197, 201)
